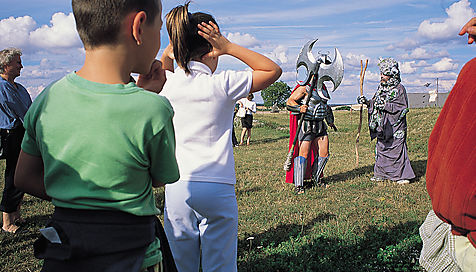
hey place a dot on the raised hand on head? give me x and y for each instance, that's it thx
(210, 32)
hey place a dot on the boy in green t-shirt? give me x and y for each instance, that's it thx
(96, 144)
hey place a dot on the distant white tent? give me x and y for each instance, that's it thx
(433, 96)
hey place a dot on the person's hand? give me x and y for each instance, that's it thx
(303, 108)
(167, 58)
(362, 100)
(210, 32)
(153, 81)
(169, 52)
(333, 127)
(470, 28)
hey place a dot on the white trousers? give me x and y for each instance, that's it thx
(202, 216)
(465, 254)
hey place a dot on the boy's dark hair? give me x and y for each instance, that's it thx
(183, 34)
(98, 22)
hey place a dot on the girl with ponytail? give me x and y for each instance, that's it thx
(201, 213)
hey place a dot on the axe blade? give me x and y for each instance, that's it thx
(306, 59)
(332, 72)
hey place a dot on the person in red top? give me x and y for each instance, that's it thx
(451, 173)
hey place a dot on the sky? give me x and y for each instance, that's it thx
(421, 35)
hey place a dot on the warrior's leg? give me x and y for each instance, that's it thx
(318, 168)
(300, 162)
(322, 155)
(299, 172)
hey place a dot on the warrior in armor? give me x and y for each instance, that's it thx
(312, 152)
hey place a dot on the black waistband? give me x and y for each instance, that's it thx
(100, 216)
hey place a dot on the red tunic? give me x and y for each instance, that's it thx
(451, 168)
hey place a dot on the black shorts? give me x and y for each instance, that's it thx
(96, 240)
(247, 121)
(311, 130)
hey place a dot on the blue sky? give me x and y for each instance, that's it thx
(422, 35)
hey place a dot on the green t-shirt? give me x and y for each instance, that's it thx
(102, 144)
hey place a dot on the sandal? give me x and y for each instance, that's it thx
(17, 229)
(299, 190)
(377, 179)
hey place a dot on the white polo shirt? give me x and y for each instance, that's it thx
(249, 105)
(203, 104)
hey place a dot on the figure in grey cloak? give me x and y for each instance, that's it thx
(388, 123)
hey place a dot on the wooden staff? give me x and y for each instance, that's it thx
(362, 74)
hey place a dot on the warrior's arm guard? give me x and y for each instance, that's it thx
(295, 108)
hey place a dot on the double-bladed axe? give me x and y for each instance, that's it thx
(317, 73)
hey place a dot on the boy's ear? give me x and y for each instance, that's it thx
(138, 23)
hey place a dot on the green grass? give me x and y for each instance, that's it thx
(354, 225)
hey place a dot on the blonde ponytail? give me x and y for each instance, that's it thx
(178, 25)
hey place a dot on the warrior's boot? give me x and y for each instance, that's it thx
(318, 169)
(299, 172)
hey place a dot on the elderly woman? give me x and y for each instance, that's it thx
(14, 102)
(388, 123)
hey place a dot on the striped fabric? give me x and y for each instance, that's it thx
(438, 252)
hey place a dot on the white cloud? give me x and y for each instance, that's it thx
(444, 85)
(407, 67)
(245, 40)
(288, 77)
(444, 75)
(34, 91)
(458, 14)
(62, 33)
(444, 65)
(422, 54)
(354, 60)
(14, 32)
(22, 32)
(407, 43)
(439, 30)
(411, 83)
(371, 76)
(421, 63)
(279, 54)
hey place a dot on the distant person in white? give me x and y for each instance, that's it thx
(247, 122)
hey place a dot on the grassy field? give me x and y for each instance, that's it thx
(354, 225)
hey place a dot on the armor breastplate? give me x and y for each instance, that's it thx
(316, 110)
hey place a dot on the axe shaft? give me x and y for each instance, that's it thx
(289, 157)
